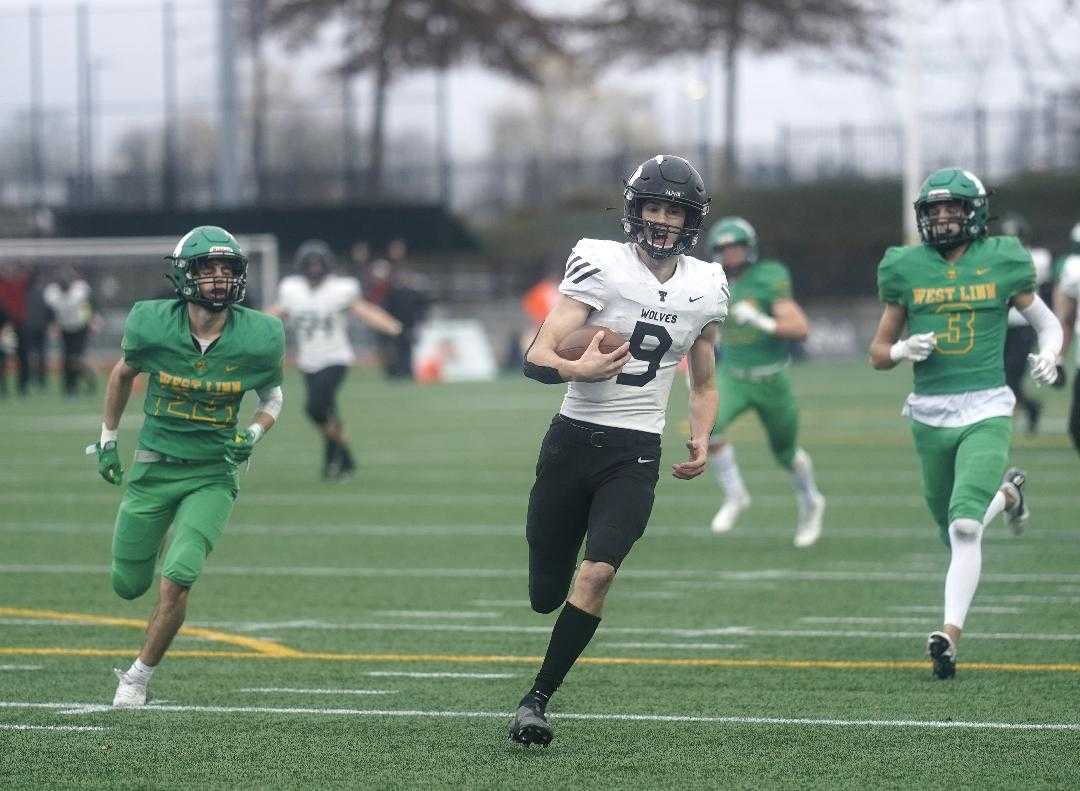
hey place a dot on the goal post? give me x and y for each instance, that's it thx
(122, 270)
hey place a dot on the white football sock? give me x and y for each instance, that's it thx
(727, 473)
(139, 673)
(965, 538)
(997, 505)
(802, 476)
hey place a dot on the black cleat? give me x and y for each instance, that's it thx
(530, 727)
(1017, 516)
(942, 654)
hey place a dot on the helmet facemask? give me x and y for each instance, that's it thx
(223, 291)
(946, 233)
(645, 232)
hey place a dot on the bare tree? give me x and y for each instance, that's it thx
(847, 31)
(390, 37)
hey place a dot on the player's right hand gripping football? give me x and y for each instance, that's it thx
(108, 461)
(596, 366)
(915, 348)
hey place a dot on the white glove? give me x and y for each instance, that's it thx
(915, 348)
(744, 312)
(1043, 368)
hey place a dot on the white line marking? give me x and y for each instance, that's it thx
(406, 674)
(759, 534)
(701, 646)
(435, 614)
(7, 726)
(501, 602)
(501, 715)
(91, 709)
(680, 577)
(858, 619)
(20, 667)
(306, 691)
(729, 631)
(976, 609)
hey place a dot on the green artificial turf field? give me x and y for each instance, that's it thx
(377, 632)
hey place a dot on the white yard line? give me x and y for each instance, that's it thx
(976, 609)
(502, 715)
(678, 577)
(309, 691)
(10, 726)
(862, 619)
(436, 613)
(409, 674)
(695, 646)
(720, 631)
(5, 668)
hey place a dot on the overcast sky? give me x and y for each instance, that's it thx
(970, 54)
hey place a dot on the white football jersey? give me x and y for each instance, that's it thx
(661, 320)
(1070, 286)
(319, 318)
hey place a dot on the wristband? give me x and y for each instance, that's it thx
(898, 351)
(766, 324)
(108, 434)
(255, 431)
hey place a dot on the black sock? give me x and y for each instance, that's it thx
(573, 631)
(330, 454)
(346, 457)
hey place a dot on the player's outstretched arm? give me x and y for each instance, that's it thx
(704, 400)
(593, 365)
(375, 317)
(117, 393)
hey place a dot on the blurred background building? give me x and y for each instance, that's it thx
(490, 136)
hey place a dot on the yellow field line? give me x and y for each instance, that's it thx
(785, 664)
(264, 647)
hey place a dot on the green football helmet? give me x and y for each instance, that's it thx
(197, 247)
(729, 231)
(952, 184)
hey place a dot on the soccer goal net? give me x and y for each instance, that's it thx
(123, 270)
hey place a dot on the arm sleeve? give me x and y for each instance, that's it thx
(585, 279)
(1046, 325)
(271, 400)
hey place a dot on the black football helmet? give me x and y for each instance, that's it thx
(668, 178)
(314, 260)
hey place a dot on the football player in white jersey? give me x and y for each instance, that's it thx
(1066, 299)
(316, 304)
(600, 459)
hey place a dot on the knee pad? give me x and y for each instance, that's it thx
(185, 558)
(131, 579)
(965, 531)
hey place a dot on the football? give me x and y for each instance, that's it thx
(573, 345)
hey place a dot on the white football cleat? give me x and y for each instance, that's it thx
(128, 695)
(811, 515)
(728, 513)
(1016, 517)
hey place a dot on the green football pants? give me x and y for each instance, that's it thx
(962, 467)
(774, 402)
(196, 499)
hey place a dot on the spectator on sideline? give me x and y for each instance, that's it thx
(69, 298)
(13, 284)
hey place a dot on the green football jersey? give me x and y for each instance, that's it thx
(761, 283)
(965, 304)
(192, 397)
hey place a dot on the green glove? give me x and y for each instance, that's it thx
(239, 448)
(108, 461)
